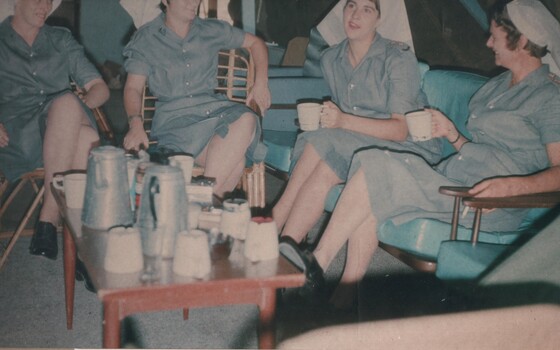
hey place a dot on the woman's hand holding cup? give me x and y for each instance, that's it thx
(331, 116)
(442, 126)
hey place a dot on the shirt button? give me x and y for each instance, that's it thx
(351, 86)
(188, 65)
(482, 133)
(40, 103)
(42, 92)
(184, 50)
(207, 112)
(355, 108)
(187, 83)
(34, 73)
(190, 96)
(460, 158)
(491, 106)
(31, 54)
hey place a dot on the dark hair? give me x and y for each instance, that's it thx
(375, 2)
(500, 15)
(162, 7)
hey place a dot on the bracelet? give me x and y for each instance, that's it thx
(457, 139)
(130, 117)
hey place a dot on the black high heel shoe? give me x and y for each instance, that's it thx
(44, 241)
(314, 287)
(82, 275)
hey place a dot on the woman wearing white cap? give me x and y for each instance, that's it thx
(42, 123)
(514, 150)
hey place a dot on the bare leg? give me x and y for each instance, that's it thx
(308, 205)
(68, 139)
(224, 157)
(303, 169)
(351, 220)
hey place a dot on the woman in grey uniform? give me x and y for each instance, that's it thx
(42, 123)
(373, 81)
(514, 150)
(177, 54)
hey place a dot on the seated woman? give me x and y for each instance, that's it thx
(515, 149)
(42, 123)
(373, 81)
(177, 54)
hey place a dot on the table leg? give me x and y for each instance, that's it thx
(111, 325)
(69, 262)
(267, 310)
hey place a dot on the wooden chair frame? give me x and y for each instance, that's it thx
(236, 79)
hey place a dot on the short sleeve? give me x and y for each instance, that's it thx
(82, 71)
(135, 60)
(404, 77)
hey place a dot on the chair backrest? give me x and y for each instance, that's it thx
(450, 91)
(236, 76)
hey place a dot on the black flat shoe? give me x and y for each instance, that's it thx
(82, 275)
(44, 241)
(314, 287)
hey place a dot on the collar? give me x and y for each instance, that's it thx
(377, 47)
(160, 27)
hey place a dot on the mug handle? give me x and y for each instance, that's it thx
(154, 189)
(58, 182)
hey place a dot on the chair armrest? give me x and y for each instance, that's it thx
(456, 191)
(537, 200)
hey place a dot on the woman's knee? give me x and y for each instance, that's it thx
(88, 136)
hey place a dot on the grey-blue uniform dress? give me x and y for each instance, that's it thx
(510, 128)
(386, 81)
(181, 73)
(30, 79)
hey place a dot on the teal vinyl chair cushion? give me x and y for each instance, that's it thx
(280, 146)
(423, 237)
(461, 260)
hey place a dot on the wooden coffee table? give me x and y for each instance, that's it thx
(124, 294)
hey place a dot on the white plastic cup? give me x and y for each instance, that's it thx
(185, 163)
(192, 254)
(309, 115)
(124, 251)
(419, 125)
(74, 187)
(235, 218)
(262, 240)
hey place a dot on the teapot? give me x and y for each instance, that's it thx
(162, 210)
(107, 200)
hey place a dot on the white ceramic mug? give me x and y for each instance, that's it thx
(262, 240)
(419, 125)
(124, 250)
(74, 187)
(185, 163)
(192, 254)
(309, 115)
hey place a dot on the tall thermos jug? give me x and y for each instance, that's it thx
(107, 199)
(162, 210)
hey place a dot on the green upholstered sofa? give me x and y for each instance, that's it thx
(417, 242)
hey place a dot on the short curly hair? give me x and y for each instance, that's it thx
(500, 16)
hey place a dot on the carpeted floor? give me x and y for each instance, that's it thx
(32, 309)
